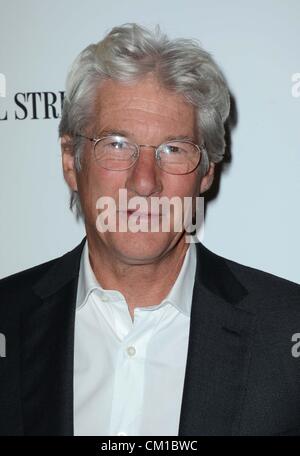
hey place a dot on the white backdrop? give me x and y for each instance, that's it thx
(254, 220)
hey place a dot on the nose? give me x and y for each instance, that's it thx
(144, 176)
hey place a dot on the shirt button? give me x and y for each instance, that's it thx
(104, 298)
(121, 433)
(131, 351)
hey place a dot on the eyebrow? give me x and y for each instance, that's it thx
(127, 134)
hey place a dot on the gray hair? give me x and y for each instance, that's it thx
(126, 54)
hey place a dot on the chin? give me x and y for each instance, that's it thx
(140, 248)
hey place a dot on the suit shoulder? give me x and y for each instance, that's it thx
(25, 278)
(60, 270)
(254, 280)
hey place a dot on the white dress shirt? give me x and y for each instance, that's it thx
(129, 375)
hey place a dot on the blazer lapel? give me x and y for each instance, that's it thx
(218, 352)
(48, 348)
(217, 361)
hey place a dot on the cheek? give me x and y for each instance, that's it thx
(189, 185)
(94, 183)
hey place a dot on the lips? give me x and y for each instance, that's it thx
(137, 213)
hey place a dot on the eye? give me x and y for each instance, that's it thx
(116, 146)
(172, 149)
(120, 144)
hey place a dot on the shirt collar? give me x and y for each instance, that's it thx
(180, 295)
(87, 281)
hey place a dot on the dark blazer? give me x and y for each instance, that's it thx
(241, 377)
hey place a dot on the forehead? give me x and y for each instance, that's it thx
(143, 103)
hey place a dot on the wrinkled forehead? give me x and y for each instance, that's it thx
(146, 101)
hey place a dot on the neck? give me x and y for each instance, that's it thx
(141, 284)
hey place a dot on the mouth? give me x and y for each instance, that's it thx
(137, 213)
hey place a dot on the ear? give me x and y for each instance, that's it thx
(68, 162)
(207, 179)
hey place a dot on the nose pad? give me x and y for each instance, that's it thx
(144, 177)
(155, 155)
(153, 151)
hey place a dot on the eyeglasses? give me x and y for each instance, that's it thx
(118, 153)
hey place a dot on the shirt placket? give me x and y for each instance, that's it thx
(129, 380)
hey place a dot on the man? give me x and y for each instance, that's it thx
(139, 332)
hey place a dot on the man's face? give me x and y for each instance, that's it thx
(148, 114)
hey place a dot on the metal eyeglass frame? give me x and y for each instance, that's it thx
(201, 148)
